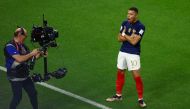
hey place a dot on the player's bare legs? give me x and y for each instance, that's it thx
(139, 87)
(120, 81)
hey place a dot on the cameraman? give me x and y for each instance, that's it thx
(17, 56)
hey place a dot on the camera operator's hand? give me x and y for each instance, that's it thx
(34, 52)
(38, 55)
(44, 54)
(21, 58)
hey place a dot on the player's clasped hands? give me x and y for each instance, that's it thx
(133, 35)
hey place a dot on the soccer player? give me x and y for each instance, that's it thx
(131, 34)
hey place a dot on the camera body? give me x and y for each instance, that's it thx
(44, 35)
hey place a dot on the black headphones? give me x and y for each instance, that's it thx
(21, 31)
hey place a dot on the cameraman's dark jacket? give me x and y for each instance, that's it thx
(17, 70)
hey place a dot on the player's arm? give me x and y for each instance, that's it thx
(136, 36)
(133, 39)
(121, 38)
(22, 58)
(121, 35)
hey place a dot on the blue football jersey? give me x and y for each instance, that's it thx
(136, 28)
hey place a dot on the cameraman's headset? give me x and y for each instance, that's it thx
(16, 33)
(21, 31)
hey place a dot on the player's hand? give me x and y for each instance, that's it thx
(123, 32)
(133, 35)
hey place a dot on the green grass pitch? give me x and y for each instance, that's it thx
(88, 47)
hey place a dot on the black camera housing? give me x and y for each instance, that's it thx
(44, 35)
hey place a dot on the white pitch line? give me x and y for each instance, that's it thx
(74, 95)
(98, 105)
(3, 69)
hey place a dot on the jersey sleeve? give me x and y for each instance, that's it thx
(140, 31)
(11, 50)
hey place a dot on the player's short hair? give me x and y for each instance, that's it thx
(134, 9)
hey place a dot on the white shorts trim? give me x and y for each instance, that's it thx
(128, 61)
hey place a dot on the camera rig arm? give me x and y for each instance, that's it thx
(60, 73)
(45, 46)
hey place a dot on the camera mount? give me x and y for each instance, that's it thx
(46, 36)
